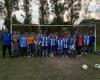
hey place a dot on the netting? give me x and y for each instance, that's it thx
(54, 28)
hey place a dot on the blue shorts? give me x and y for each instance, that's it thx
(52, 48)
(30, 46)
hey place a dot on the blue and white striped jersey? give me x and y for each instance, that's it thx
(44, 41)
(52, 41)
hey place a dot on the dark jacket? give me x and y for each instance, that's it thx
(6, 38)
(92, 39)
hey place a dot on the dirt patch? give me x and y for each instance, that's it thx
(67, 65)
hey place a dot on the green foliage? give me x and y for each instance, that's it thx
(10, 5)
(2, 11)
(15, 4)
(14, 20)
(43, 12)
(58, 10)
(73, 7)
(28, 16)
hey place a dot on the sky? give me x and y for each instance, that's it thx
(94, 8)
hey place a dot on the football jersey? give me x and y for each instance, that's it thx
(65, 43)
(60, 44)
(15, 37)
(52, 41)
(86, 40)
(23, 41)
(44, 41)
(30, 40)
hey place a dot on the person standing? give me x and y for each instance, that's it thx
(65, 46)
(23, 45)
(52, 45)
(79, 44)
(30, 43)
(44, 43)
(15, 46)
(86, 43)
(6, 42)
(60, 46)
(91, 42)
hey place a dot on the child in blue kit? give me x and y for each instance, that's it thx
(23, 45)
(66, 46)
(15, 44)
(44, 44)
(38, 49)
(52, 45)
(60, 46)
(86, 43)
(72, 51)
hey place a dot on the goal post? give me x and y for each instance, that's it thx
(55, 28)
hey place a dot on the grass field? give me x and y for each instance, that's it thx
(36, 68)
(57, 68)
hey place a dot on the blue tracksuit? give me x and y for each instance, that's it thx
(6, 39)
(91, 43)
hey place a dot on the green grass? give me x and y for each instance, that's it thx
(36, 68)
(49, 68)
(98, 45)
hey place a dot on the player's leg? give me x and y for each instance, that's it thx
(3, 51)
(9, 50)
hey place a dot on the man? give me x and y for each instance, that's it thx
(91, 42)
(6, 42)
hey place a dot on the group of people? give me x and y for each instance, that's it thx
(47, 44)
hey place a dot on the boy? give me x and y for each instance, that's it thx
(65, 46)
(60, 46)
(72, 51)
(15, 46)
(56, 44)
(38, 45)
(52, 45)
(86, 44)
(44, 43)
(30, 43)
(23, 45)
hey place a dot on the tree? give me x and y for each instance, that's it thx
(14, 20)
(86, 6)
(10, 6)
(57, 8)
(43, 12)
(28, 16)
(73, 8)
(2, 9)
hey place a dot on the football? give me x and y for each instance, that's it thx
(84, 67)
